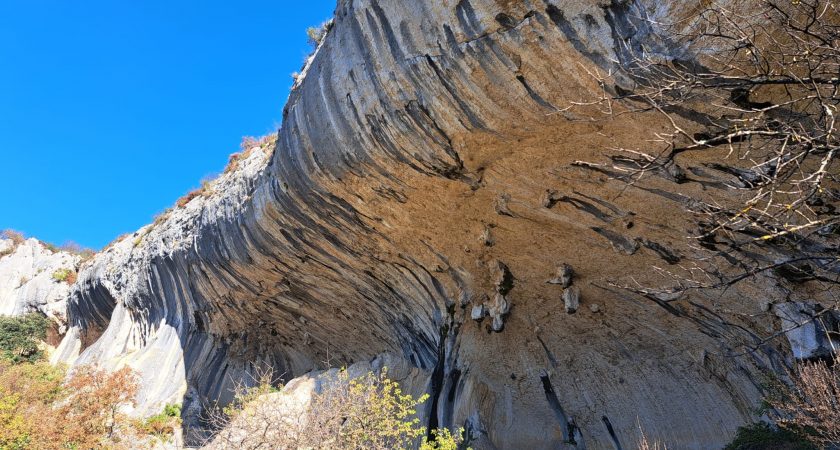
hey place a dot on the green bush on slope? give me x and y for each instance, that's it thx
(19, 337)
(761, 436)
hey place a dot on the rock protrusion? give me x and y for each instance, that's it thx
(571, 294)
(487, 236)
(571, 299)
(808, 327)
(619, 243)
(550, 198)
(478, 312)
(498, 310)
(499, 307)
(565, 274)
(664, 252)
(501, 206)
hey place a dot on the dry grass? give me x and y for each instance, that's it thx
(84, 253)
(315, 35)
(70, 247)
(189, 197)
(114, 242)
(247, 147)
(205, 190)
(646, 444)
(812, 402)
(16, 237)
(160, 218)
(233, 161)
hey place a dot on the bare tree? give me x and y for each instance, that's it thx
(748, 90)
(750, 87)
(254, 419)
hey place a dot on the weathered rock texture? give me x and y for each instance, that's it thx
(27, 284)
(809, 338)
(414, 158)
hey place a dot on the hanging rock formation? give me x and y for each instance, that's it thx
(413, 127)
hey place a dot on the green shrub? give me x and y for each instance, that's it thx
(370, 411)
(19, 337)
(761, 436)
(26, 392)
(172, 410)
(64, 276)
(443, 439)
(162, 424)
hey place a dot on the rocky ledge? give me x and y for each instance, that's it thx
(36, 279)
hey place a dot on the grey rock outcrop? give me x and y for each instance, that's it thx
(478, 312)
(497, 310)
(564, 276)
(27, 283)
(809, 329)
(571, 299)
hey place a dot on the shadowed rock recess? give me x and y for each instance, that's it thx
(421, 202)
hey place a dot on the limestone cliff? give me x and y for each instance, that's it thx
(28, 280)
(421, 200)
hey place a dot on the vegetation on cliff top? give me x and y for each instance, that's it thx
(16, 237)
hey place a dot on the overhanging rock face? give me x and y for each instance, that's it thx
(423, 176)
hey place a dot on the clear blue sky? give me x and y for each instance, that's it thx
(112, 109)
